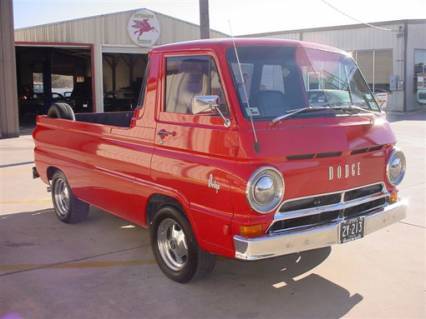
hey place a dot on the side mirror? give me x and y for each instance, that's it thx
(208, 103)
(204, 103)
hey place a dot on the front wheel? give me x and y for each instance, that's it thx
(68, 208)
(175, 248)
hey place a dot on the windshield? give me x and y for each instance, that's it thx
(279, 80)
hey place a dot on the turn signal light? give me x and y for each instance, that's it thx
(251, 230)
(393, 197)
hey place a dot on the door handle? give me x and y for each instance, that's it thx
(163, 133)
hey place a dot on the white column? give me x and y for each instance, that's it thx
(99, 78)
(9, 126)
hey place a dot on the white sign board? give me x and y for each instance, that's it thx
(143, 28)
(382, 99)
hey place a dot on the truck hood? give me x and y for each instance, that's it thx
(322, 155)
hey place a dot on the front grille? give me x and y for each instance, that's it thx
(362, 192)
(305, 220)
(326, 208)
(310, 202)
(363, 208)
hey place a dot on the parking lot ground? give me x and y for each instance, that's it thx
(104, 268)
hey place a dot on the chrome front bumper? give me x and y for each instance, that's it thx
(325, 235)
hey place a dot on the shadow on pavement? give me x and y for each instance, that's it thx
(16, 164)
(105, 266)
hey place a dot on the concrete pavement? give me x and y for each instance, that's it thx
(104, 268)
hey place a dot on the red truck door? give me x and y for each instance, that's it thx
(193, 152)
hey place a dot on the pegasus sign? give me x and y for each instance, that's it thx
(143, 28)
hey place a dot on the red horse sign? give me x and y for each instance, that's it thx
(143, 28)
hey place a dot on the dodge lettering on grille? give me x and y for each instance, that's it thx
(344, 171)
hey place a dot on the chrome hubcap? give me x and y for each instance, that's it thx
(172, 244)
(61, 196)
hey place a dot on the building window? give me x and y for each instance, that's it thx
(420, 69)
(272, 78)
(62, 85)
(376, 66)
(38, 83)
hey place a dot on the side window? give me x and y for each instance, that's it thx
(187, 77)
(272, 78)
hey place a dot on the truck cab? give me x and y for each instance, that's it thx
(244, 148)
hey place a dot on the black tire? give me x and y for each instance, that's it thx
(198, 263)
(68, 208)
(61, 111)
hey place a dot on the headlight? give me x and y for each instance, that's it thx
(395, 168)
(265, 189)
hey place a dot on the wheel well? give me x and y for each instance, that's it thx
(156, 201)
(51, 171)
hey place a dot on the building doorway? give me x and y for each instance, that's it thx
(49, 74)
(122, 79)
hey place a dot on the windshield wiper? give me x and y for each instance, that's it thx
(351, 108)
(290, 114)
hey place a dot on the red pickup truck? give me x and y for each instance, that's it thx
(244, 148)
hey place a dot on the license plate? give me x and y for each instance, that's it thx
(351, 229)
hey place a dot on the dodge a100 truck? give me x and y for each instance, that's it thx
(243, 148)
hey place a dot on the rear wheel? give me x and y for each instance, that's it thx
(68, 208)
(175, 248)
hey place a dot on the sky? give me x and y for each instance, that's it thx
(246, 16)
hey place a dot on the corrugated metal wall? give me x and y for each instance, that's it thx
(110, 29)
(356, 39)
(287, 36)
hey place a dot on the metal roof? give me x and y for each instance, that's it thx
(114, 13)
